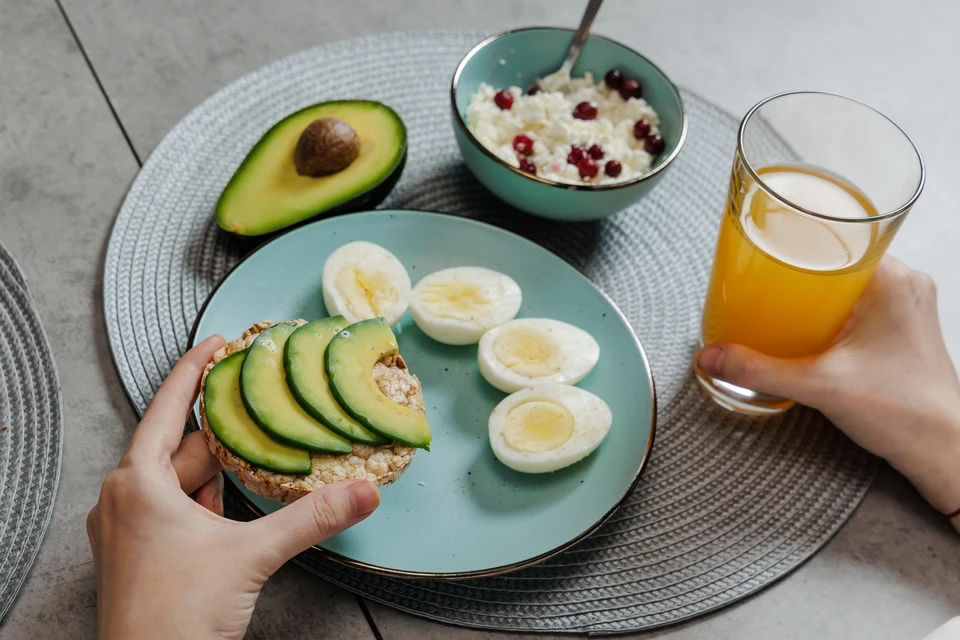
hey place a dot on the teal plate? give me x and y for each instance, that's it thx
(457, 512)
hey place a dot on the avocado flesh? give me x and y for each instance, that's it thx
(263, 387)
(307, 377)
(267, 194)
(349, 362)
(230, 422)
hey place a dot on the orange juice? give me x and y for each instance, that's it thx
(784, 282)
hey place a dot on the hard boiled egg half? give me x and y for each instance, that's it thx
(548, 427)
(458, 305)
(525, 352)
(362, 280)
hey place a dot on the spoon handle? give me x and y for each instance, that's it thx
(582, 32)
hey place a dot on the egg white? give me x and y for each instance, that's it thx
(591, 424)
(458, 305)
(362, 280)
(576, 354)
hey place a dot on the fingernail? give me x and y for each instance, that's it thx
(711, 359)
(214, 338)
(218, 502)
(366, 498)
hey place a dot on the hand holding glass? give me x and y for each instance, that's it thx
(798, 241)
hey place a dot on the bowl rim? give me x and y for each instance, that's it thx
(462, 125)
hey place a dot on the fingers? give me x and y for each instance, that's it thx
(896, 298)
(194, 463)
(313, 518)
(898, 280)
(92, 526)
(162, 426)
(788, 378)
(888, 263)
(93, 534)
(210, 495)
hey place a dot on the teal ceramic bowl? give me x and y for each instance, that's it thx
(457, 512)
(518, 58)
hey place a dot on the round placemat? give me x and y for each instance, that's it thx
(31, 431)
(12, 270)
(727, 505)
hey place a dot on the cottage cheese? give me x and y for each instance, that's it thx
(547, 118)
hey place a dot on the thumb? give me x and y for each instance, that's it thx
(320, 514)
(792, 378)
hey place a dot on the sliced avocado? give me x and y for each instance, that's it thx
(230, 422)
(268, 193)
(307, 377)
(263, 387)
(349, 361)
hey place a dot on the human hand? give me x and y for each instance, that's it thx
(887, 381)
(170, 565)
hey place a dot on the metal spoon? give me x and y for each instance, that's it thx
(580, 37)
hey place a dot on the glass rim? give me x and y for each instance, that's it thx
(823, 216)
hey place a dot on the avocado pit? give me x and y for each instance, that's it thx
(326, 146)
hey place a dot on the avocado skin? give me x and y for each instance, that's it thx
(337, 371)
(369, 199)
(375, 197)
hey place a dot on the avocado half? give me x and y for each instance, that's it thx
(267, 193)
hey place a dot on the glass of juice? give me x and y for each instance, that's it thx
(800, 239)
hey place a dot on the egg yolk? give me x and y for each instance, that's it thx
(366, 292)
(538, 426)
(529, 352)
(455, 300)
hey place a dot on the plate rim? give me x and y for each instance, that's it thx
(389, 572)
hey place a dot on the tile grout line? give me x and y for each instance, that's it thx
(96, 78)
(116, 117)
(369, 617)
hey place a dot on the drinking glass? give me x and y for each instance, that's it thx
(800, 239)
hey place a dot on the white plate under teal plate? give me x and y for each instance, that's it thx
(456, 511)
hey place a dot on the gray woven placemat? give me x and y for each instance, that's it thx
(12, 270)
(727, 505)
(31, 431)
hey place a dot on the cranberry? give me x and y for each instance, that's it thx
(529, 167)
(612, 168)
(576, 154)
(588, 168)
(503, 99)
(595, 151)
(631, 89)
(641, 129)
(654, 144)
(613, 79)
(534, 90)
(585, 111)
(523, 145)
